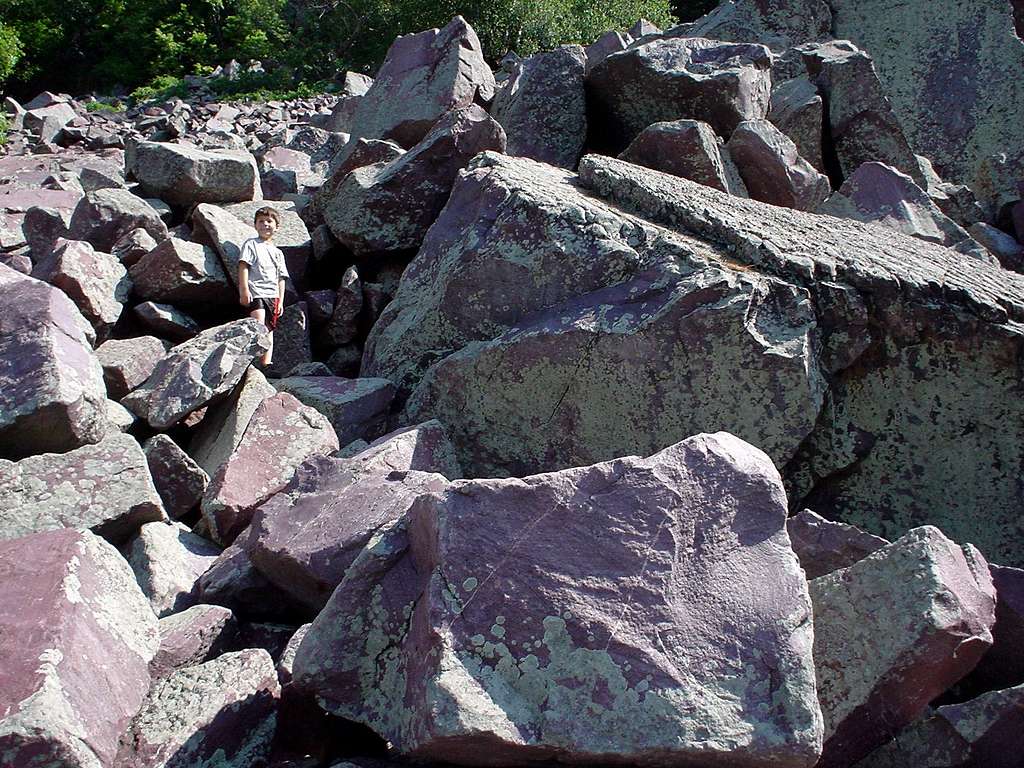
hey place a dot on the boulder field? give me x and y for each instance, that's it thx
(653, 402)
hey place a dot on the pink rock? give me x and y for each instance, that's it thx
(772, 169)
(824, 546)
(356, 408)
(233, 582)
(43, 227)
(104, 216)
(282, 433)
(607, 44)
(132, 246)
(76, 636)
(1003, 665)
(191, 637)
(178, 479)
(687, 148)
(129, 362)
(184, 274)
(424, 447)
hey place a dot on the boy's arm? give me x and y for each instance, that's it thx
(243, 284)
(280, 293)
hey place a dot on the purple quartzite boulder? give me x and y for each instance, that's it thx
(424, 76)
(543, 107)
(389, 207)
(779, 24)
(166, 320)
(222, 712)
(670, 661)
(356, 408)
(291, 341)
(287, 660)
(282, 433)
(129, 362)
(52, 396)
(178, 479)
(168, 560)
(892, 632)
(76, 636)
(824, 546)
(610, 42)
(687, 148)
(719, 83)
(305, 538)
(798, 111)
(184, 175)
(105, 216)
(198, 371)
(425, 448)
(105, 487)
(1003, 665)
(342, 327)
(191, 637)
(224, 232)
(1006, 249)
(42, 227)
(233, 582)
(184, 274)
(772, 169)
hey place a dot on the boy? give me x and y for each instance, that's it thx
(261, 274)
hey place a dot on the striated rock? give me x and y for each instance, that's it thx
(183, 175)
(718, 83)
(356, 408)
(281, 434)
(178, 479)
(129, 362)
(184, 274)
(424, 76)
(221, 712)
(772, 169)
(166, 320)
(687, 148)
(483, 657)
(798, 111)
(52, 396)
(543, 107)
(388, 208)
(195, 373)
(824, 546)
(105, 216)
(892, 632)
(69, 608)
(191, 637)
(168, 560)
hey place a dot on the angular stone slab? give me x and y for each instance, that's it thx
(52, 396)
(178, 479)
(1003, 665)
(798, 111)
(233, 582)
(198, 371)
(191, 637)
(225, 232)
(168, 559)
(222, 712)
(166, 320)
(892, 632)
(772, 168)
(76, 636)
(183, 175)
(105, 216)
(104, 487)
(184, 274)
(780, 24)
(356, 408)
(824, 546)
(129, 362)
(424, 447)
(672, 662)
(687, 148)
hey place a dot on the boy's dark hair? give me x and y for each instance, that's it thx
(269, 213)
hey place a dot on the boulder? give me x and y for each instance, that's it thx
(39, 120)
(1003, 666)
(772, 169)
(42, 227)
(284, 171)
(104, 216)
(779, 25)
(687, 148)
(292, 236)
(388, 208)
(672, 663)
(233, 582)
(183, 175)
(52, 396)
(178, 479)
(197, 372)
(424, 447)
(225, 233)
(719, 83)
(184, 274)
(168, 560)
(892, 632)
(132, 246)
(287, 660)
(342, 327)
(221, 712)
(195, 635)
(610, 42)
(166, 320)
(291, 341)
(356, 408)
(1006, 249)
(543, 107)
(77, 638)
(281, 434)
(824, 545)
(798, 111)
(424, 76)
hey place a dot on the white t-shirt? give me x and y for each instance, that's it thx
(266, 267)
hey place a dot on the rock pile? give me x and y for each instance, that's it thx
(656, 402)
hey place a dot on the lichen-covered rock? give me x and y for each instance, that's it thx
(76, 636)
(184, 274)
(281, 434)
(721, 84)
(287, 660)
(129, 362)
(222, 712)
(772, 169)
(233, 582)
(356, 408)
(198, 371)
(342, 326)
(543, 107)
(168, 560)
(184, 175)
(105, 216)
(798, 111)
(780, 24)
(225, 232)
(292, 343)
(52, 396)
(104, 487)
(424, 447)
(892, 632)
(191, 637)
(458, 653)
(386, 208)
(687, 148)
(178, 479)
(424, 76)
(824, 545)
(1006, 249)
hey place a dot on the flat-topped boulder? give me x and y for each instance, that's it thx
(184, 175)
(129, 362)
(183, 273)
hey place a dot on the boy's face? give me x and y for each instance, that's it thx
(265, 227)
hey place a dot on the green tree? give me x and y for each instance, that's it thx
(10, 51)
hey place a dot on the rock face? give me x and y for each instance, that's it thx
(824, 546)
(129, 362)
(772, 169)
(356, 408)
(425, 447)
(719, 83)
(798, 111)
(105, 487)
(184, 175)
(184, 274)
(687, 148)
(424, 76)
(892, 632)
(167, 560)
(485, 658)
(52, 396)
(779, 24)
(178, 479)
(69, 606)
(191, 637)
(543, 107)
(105, 216)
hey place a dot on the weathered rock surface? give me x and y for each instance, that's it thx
(222, 712)
(892, 632)
(104, 487)
(424, 447)
(356, 408)
(287, 660)
(105, 216)
(481, 657)
(52, 396)
(196, 372)
(70, 608)
(225, 232)
(824, 546)
(798, 111)
(281, 434)
(772, 168)
(233, 582)
(167, 560)
(183, 175)
(342, 327)
(178, 479)
(543, 107)
(184, 274)
(424, 76)
(687, 148)
(129, 362)
(1006, 249)
(1002, 666)
(780, 24)
(166, 320)
(292, 344)
(191, 637)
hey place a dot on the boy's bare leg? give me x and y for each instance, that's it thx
(261, 315)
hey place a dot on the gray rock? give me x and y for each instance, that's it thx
(184, 274)
(1006, 249)
(104, 216)
(798, 111)
(166, 320)
(43, 227)
(345, 361)
(184, 175)
(287, 660)
(291, 341)
(780, 24)
(132, 246)
(824, 546)
(225, 232)
(342, 327)
(129, 362)
(687, 148)
(119, 418)
(178, 479)
(424, 447)
(292, 237)
(356, 408)
(168, 560)
(772, 169)
(191, 637)
(610, 42)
